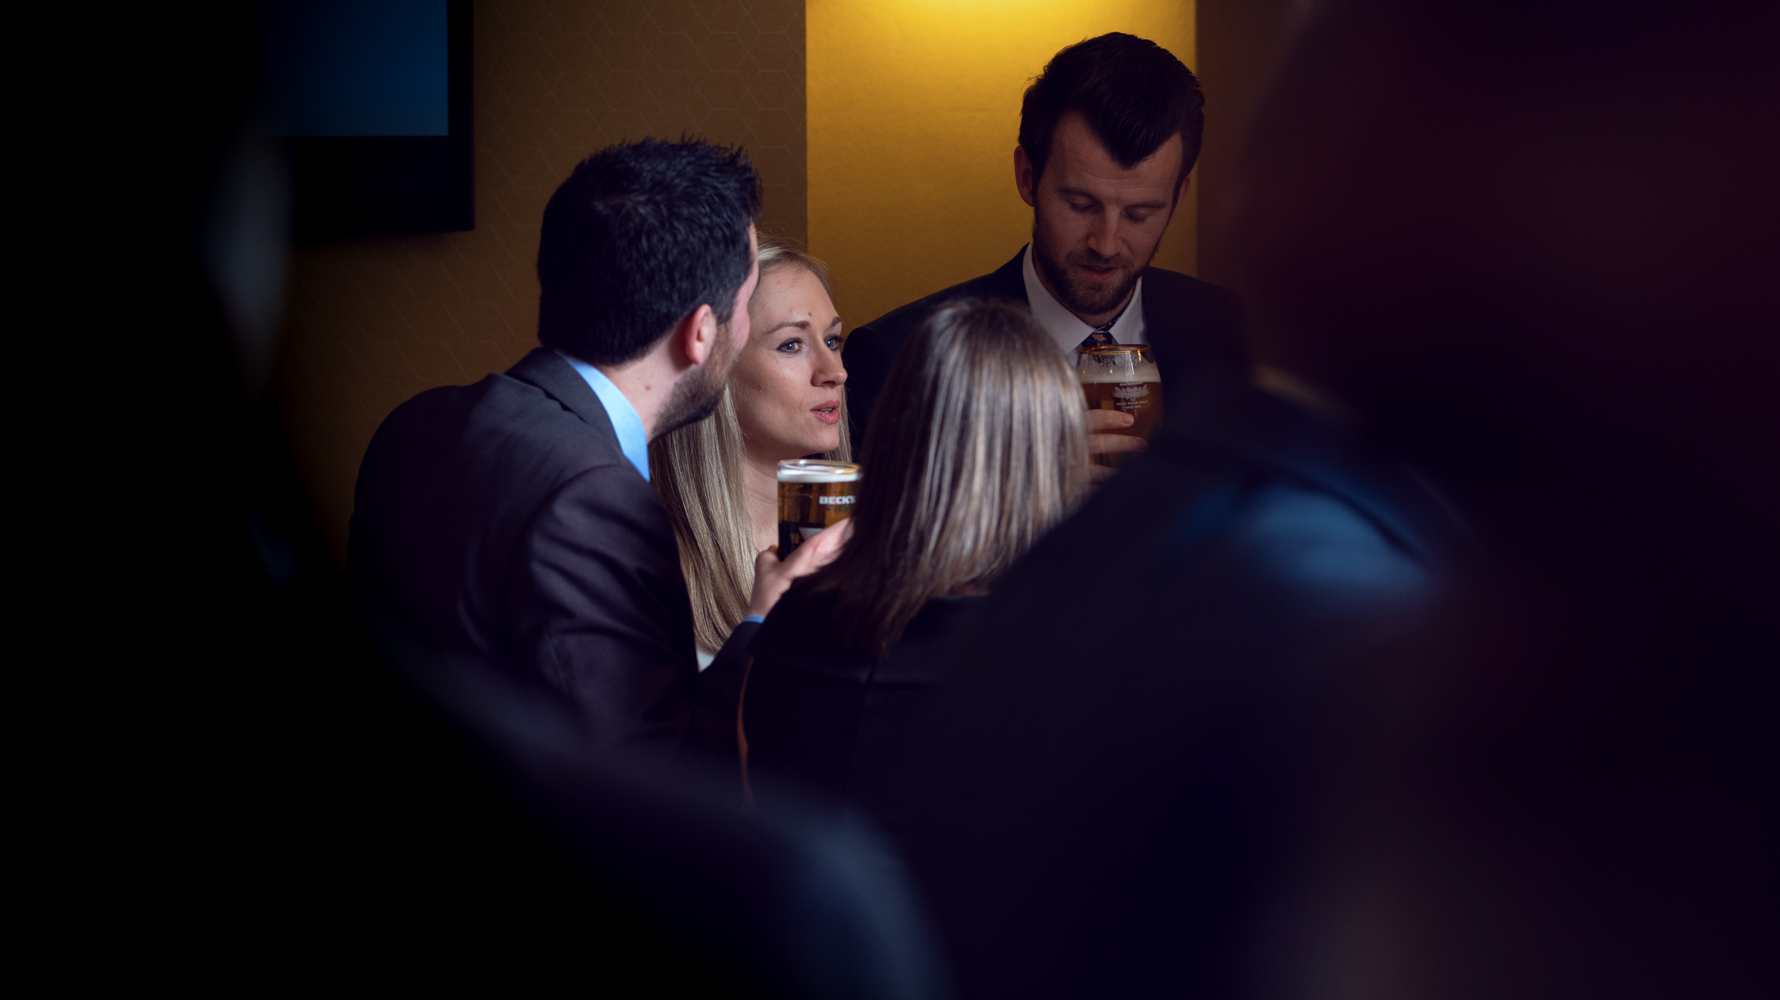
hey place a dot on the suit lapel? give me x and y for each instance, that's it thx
(1163, 317)
(549, 372)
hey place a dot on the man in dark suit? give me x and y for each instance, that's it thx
(511, 522)
(1108, 135)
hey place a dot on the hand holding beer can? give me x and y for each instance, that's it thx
(813, 495)
(1123, 377)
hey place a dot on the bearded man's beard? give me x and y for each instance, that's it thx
(696, 396)
(1078, 294)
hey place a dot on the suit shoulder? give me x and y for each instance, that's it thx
(1177, 285)
(417, 420)
(500, 427)
(1199, 316)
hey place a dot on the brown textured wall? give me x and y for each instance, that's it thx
(372, 322)
(1240, 44)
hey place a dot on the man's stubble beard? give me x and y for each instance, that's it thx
(1086, 299)
(696, 396)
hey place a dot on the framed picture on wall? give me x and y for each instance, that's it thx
(372, 99)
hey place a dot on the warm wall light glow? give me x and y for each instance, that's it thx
(914, 112)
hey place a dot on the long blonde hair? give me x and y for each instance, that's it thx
(697, 472)
(976, 448)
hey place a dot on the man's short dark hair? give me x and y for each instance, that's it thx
(639, 236)
(1133, 93)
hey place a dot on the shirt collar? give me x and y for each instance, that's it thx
(1063, 326)
(632, 440)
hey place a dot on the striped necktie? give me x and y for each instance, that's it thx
(1100, 336)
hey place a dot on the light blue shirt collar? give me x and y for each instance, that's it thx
(632, 440)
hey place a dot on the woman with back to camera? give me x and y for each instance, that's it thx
(719, 477)
(976, 448)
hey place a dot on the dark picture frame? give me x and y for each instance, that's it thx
(349, 186)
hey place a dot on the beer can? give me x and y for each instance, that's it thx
(813, 495)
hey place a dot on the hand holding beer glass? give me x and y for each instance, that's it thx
(1123, 387)
(813, 496)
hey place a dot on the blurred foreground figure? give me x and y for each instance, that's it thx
(1300, 752)
(1097, 808)
(1536, 256)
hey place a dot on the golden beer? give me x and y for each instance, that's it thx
(1123, 377)
(813, 495)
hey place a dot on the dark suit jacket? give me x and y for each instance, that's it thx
(500, 522)
(831, 720)
(1190, 323)
(1116, 762)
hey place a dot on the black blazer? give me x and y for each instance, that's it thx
(1190, 323)
(827, 719)
(500, 523)
(1117, 763)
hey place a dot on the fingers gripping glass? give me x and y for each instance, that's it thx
(1123, 377)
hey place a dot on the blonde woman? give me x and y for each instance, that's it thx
(786, 399)
(976, 449)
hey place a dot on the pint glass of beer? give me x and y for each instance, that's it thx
(812, 495)
(1123, 377)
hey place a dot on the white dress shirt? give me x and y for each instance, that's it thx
(1064, 327)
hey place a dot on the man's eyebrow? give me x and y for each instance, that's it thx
(1079, 193)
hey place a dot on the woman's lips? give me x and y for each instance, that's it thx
(829, 412)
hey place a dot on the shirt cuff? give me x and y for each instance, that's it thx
(754, 618)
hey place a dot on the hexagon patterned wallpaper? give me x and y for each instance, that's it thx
(373, 322)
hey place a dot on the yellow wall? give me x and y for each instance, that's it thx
(374, 321)
(914, 112)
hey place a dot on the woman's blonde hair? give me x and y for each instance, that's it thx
(697, 472)
(975, 449)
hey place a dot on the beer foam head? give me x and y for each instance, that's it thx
(806, 470)
(1122, 367)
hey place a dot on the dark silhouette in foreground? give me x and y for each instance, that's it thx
(1099, 807)
(1292, 757)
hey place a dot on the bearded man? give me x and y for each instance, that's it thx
(1108, 136)
(510, 523)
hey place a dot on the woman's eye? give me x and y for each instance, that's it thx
(833, 342)
(791, 346)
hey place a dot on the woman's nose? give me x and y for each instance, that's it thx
(829, 370)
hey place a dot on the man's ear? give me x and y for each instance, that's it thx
(1024, 177)
(1180, 193)
(695, 337)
